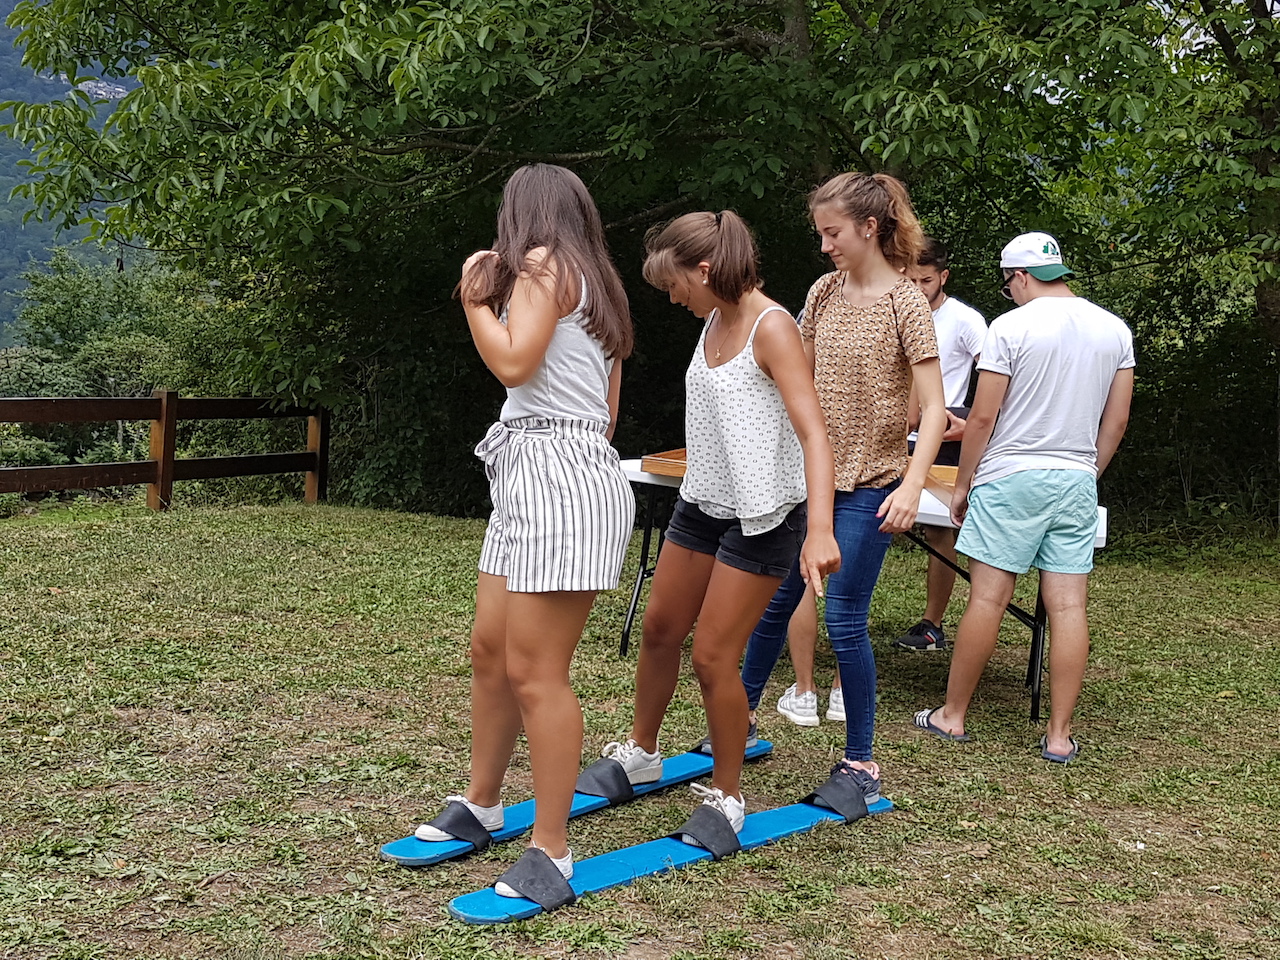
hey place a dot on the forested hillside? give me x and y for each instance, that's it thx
(20, 243)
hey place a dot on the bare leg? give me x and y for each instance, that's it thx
(802, 639)
(543, 630)
(735, 601)
(1066, 598)
(990, 591)
(941, 579)
(679, 585)
(495, 717)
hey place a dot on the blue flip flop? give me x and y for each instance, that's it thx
(1059, 757)
(924, 720)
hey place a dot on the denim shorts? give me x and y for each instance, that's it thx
(770, 553)
(1046, 519)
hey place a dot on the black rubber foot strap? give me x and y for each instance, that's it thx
(536, 878)
(457, 820)
(841, 794)
(712, 830)
(605, 778)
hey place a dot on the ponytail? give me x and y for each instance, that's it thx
(722, 240)
(861, 196)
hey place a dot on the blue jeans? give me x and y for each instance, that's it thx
(862, 550)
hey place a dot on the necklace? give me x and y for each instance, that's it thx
(724, 337)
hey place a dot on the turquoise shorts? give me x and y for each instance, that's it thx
(1034, 518)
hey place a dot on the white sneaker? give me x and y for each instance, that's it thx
(801, 708)
(640, 767)
(835, 706)
(733, 808)
(564, 865)
(491, 818)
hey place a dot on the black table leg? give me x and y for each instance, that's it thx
(1036, 624)
(657, 513)
(1035, 660)
(642, 574)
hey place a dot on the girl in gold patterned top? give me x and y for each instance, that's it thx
(868, 332)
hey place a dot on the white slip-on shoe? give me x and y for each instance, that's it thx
(491, 818)
(563, 864)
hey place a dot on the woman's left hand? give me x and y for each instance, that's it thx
(899, 510)
(468, 281)
(819, 556)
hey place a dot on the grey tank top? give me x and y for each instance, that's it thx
(572, 382)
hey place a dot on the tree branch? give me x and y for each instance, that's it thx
(855, 15)
(1225, 40)
(418, 144)
(661, 210)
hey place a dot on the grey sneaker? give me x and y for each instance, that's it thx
(639, 766)
(923, 636)
(799, 708)
(704, 745)
(869, 785)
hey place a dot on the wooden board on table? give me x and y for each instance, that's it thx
(941, 482)
(669, 463)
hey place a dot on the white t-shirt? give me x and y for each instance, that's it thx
(960, 330)
(1060, 354)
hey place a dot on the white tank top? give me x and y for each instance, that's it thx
(744, 458)
(572, 382)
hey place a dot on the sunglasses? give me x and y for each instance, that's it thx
(1005, 281)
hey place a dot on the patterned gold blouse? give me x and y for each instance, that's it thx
(862, 371)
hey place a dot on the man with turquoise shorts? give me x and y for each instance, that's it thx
(1057, 372)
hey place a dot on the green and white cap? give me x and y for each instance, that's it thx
(1036, 253)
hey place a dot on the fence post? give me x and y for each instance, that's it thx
(318, 443)
(164, 442)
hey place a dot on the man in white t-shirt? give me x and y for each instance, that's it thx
(1058, 373)
(960, 330)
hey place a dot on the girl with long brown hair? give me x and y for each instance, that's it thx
(550, 319)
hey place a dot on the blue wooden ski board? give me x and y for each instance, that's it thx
(649, 859)
(681, 768)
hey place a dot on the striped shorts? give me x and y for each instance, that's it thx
(562, 510)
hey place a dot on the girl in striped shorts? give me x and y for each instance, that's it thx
(550, 319)
(757, 456)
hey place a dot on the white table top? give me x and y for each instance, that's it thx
(932, 510)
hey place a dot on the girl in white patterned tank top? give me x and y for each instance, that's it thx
(757, 448)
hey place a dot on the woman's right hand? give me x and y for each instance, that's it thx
(819, 556)
(955, 428)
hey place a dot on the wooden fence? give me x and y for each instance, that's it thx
(164, 409)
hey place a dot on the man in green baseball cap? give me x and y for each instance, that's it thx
(1036, 253)
(1054, 383)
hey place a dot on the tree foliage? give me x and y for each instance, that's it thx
(347, 153)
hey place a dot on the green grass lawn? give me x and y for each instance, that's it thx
(212, 720)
